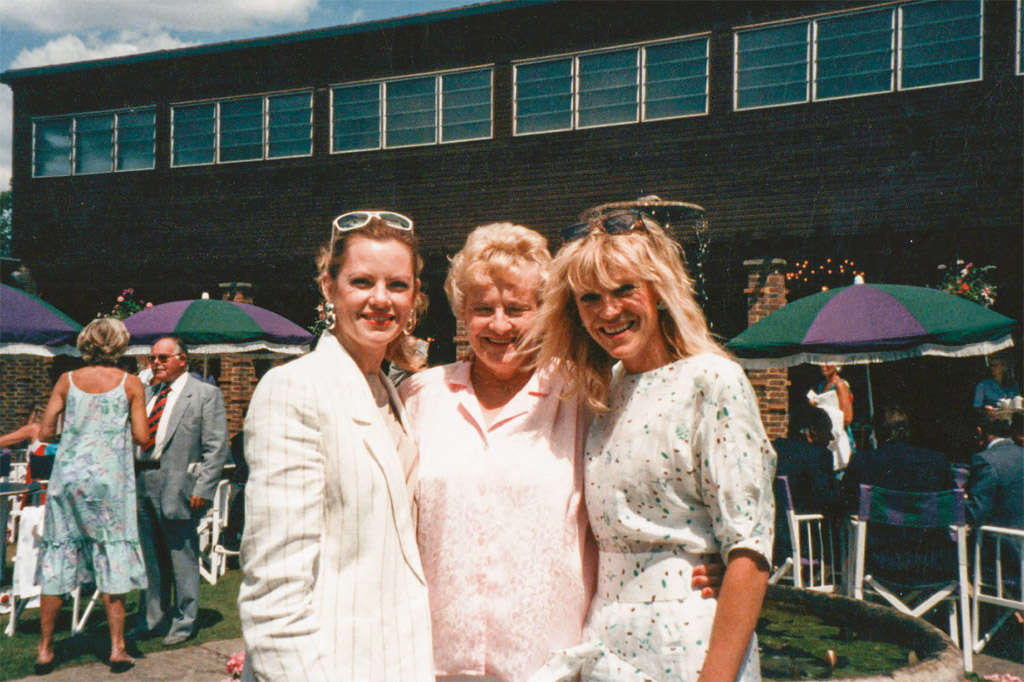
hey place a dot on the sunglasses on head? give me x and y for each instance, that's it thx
(355, 220)
(616, 223)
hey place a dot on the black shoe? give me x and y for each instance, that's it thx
(118, 667)
(45, 668)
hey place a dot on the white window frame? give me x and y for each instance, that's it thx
(736, 66)
(382, 84)
(899, 53)
(893, 46)
(265, 126)
(114, 140)
(1018, 68)
(641, 81)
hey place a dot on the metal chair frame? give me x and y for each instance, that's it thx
(1000, 597)
(804, 529)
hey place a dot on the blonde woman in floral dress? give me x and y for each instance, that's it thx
(677, 463)
(90, 534)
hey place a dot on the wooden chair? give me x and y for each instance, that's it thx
(812, 559)
(991, 584)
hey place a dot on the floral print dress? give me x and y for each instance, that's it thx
(90, 532)
(679, 467)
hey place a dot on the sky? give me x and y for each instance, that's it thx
(43, 32)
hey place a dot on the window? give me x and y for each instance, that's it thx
(608, 88)
(644, 83)
(854, 54)
(357, 116)
(543, 96)
(290, 125)
(940, 43)
(675, 79)
(101, 142)
(411, 112)
(771, 66)
(244, 129)
(466, 106)
(404, 112)
(911, 45)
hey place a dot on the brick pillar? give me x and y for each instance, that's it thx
(237, 373)
(461, 341)
(766, 292)
(24, 380)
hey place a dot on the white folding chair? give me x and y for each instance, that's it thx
(24, 590)
(212, 555)
(991, 585)
(911, 593)
(811, 563)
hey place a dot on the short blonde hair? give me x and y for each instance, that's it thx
(603, 261)
(331, 257)
(497, 251)
(103, 341)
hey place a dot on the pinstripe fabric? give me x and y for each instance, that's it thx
(333, 587)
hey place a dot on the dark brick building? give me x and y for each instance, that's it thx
(888, 134)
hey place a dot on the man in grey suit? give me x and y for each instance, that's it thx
(995, 485)
(177, 474)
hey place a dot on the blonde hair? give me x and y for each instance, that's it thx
(603, 261)
(497, 251)
(330, 259)
(103, 341)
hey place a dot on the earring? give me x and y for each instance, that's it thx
(662, 306)
(329, 317)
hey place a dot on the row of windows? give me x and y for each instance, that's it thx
(448, 107)
(902, 46)
(95, 143)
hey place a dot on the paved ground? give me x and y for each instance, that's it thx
(200, 663)
(205, 663)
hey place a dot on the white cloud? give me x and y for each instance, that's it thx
(74, 48)
(59, 16)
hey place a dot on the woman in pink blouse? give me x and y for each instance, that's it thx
(502, 526)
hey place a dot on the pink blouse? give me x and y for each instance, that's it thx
(502, 525)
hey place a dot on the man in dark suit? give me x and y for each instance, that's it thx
(899, 554)
(995, 484)
(177, 473)
(806, 462)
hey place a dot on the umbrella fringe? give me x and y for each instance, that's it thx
(935, 350)
(219, 349)
(41, 351)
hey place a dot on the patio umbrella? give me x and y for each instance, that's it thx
(31, 326)
(866, 323)
(212, 326)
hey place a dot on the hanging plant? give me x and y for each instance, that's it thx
(127, 304)
(968, 280)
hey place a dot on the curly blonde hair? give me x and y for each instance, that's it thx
(330, 260)
(497, 251)
(601, 261)
(103, 341)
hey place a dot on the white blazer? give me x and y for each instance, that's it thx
(333, 588)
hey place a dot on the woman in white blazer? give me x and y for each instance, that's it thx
(333, 587)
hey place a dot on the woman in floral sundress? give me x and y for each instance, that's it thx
(677, 464)
(90, 532)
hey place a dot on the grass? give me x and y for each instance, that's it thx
(218, 619)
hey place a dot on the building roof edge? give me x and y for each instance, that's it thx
(10, 76)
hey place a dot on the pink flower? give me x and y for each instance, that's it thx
(149, 305)
(235, 664)
(120, 299)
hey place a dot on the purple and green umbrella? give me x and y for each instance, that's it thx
(211, 326)
(31, 326)
(866, 323)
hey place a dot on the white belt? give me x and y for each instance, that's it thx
(646, 576)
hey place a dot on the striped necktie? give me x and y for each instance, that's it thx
(154, 419)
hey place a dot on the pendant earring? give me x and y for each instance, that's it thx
(329, 317)
(662, 306)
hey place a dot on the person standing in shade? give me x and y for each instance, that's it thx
(178, 470)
